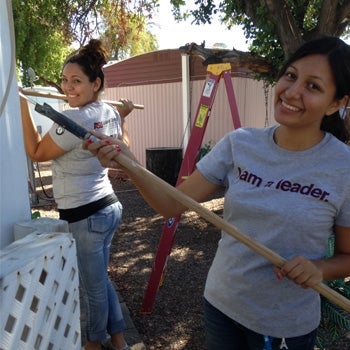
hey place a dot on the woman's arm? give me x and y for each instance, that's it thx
(195, 186)
(124, 111)
(125, 134)
(338, 266)
(38, 149)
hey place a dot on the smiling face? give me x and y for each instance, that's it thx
(77, 87)
(305, 93)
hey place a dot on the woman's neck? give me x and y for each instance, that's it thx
(296, 140)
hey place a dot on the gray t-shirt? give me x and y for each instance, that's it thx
(78, 177)
(287, 201)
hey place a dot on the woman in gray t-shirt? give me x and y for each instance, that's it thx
(288, 187)
(82, 190)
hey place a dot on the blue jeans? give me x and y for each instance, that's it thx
(93, 238)
(223, 333)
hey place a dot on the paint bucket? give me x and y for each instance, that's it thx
(165, 162)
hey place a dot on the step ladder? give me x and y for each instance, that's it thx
(215, 72)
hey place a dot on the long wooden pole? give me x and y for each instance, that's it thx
(274, 258)
(63, 97)
(160, 185)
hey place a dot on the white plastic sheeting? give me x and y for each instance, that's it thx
(14, 198)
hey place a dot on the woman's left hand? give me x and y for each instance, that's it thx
(300, 270)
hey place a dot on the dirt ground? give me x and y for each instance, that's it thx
(175, 320)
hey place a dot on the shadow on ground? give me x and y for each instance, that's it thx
(175, 321)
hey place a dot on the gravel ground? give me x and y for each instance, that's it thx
(175, 321)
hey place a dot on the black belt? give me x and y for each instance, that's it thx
(86, 210)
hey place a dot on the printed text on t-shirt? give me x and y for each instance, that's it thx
(284, 185)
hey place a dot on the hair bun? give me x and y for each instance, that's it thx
(95, 51)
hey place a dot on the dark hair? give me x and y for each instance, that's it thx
(91, 58)
(338, 54)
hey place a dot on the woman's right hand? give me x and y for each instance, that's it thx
(126, 108)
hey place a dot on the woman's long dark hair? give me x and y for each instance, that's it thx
(338, 54)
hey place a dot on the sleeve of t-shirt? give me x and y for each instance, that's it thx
(63, 138)
(215, 165)
(343, 218)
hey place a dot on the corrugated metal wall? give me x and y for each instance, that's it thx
(160, 123)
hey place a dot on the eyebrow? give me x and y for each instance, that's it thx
(73, 76)
(310, 76)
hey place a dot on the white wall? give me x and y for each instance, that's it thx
(14, 198)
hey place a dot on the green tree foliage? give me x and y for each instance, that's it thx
(125, 31)
(39, 38)
(273, 27)
(45, 31)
